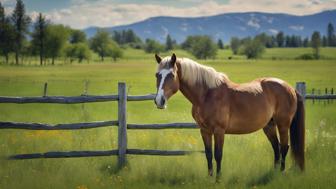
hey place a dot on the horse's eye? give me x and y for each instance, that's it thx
(156, 74)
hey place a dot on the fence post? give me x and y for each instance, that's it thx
(122, 125)
(45, 89)
(301, 88)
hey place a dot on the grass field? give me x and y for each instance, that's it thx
(247, 161)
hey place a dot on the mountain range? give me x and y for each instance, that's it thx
(225, 26)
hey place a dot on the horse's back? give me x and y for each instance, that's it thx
(257, 102)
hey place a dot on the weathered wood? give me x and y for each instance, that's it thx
(163, 126)
(70, 154)
(161, 152)
(301, 88)
(332, 92)
(122, 126)
(59, 99)
(320, 97)
(45, 89)
(319, 94)
(71, 126)
(72, 99)
(141, 97)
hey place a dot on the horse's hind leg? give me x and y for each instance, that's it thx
(283, 127)
(207, 140)
(270, 132)
(219, 141)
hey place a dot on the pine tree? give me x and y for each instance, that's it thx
(169, 43)
(331, 35)
(21, 22)
(6, 34)
(306, 42)
(280, 39)
(220, 44)
(316, 44)
(39, 36)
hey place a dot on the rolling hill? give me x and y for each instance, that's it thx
(225, 26)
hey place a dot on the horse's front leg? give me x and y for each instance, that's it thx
(219, 141)
(207, 140)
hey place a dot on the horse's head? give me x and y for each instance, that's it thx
(167, 82)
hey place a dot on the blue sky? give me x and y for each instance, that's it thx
(85, 13)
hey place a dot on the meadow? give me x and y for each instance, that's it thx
(247, 160)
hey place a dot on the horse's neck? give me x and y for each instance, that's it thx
(194, 93)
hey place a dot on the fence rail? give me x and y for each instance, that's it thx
(70, 126)
(121, 123)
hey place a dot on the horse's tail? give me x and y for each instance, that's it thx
(297, 133)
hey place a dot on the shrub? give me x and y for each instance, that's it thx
(306, 56)
(253, 49)
(153, 46)
(202, 47)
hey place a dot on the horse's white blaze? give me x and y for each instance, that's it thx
(160, 93)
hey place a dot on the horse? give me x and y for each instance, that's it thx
(220, 106)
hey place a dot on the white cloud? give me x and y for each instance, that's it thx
(84, 13)
(273, 31)
(297, 27)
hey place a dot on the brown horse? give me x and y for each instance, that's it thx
(220, 106)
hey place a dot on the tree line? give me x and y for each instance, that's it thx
(49, 41)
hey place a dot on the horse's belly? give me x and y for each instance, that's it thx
(244, 128)
(248, 122)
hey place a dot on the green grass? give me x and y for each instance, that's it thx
(247, 161)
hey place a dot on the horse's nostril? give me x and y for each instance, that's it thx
(163, 101)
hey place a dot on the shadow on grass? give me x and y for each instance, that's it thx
(111, 168)
(263, 179)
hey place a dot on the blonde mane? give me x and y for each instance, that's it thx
(194, 73)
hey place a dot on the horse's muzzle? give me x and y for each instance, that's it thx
(160, 102)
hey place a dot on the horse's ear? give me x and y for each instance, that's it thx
(173, 59)
(158, 58)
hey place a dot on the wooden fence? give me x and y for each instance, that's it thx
(121, 123)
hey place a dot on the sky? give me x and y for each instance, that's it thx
(104, 13)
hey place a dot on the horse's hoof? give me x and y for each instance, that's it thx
(210, 173)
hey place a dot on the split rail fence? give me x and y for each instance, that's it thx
(121, 123)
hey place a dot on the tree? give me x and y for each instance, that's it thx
(77, 36)
(127, 37)
(220, 44)
(56, 39)
(288, 41)
(306, 42)
(104, 46)
(324, 41)
(316, 43)
(6, 35)
(21, 22)
(331, 35)
(78, 51)
(201, 46)
(39, 37)
(280, 39)
(169, 43)
(253, 48)
(235, 43)
(115, 50)
(152, 46)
